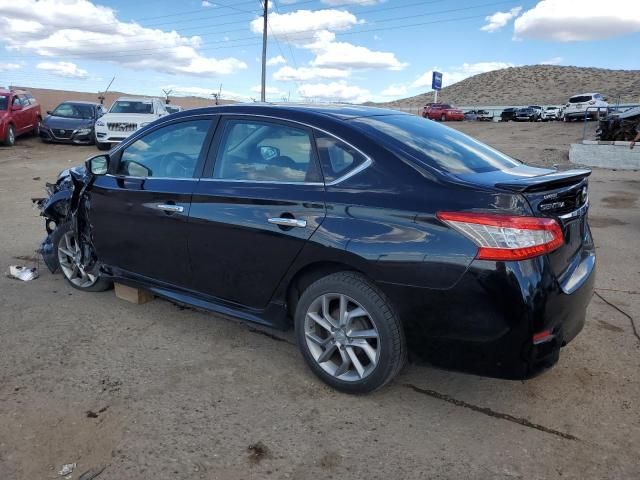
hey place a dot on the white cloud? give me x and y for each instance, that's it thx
(335, 3)
(8, 67)
(571, 21)
(276, 61)
(394, 91)
(456, 74)
(206, 3)
(346, 55)
(499, 19)
(552, 61)
(81, 29)
(63, 69)
(268, 90)
(302, 26)
(333, 92)
(305, 74)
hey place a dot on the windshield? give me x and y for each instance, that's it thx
(436, 145)
(4, 102)
(73, 110)
(122, 106)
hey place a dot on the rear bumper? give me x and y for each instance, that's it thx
(485, 324)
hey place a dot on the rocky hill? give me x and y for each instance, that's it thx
(534, 84)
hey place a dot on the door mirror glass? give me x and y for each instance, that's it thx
(98, 165)
(269, 153)
(48, 112)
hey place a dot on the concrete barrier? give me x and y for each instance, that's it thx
(613, 155)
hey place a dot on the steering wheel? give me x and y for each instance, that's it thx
(176, 165)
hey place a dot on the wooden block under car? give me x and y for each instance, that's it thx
(133, 295)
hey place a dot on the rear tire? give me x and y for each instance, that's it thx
(10, 136)
(64, 248)
(443, 118)
(349, 333)
(103, 146)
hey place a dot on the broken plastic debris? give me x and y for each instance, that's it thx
(67, 468)
(23, 273)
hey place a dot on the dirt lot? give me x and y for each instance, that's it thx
(159, 392)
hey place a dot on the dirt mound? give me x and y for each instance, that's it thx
(534, 84)
(49, 98)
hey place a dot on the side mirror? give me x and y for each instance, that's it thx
(49, 112)
(98, 165)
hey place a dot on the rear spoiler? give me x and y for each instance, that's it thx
(544, 182)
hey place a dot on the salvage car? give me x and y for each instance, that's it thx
(585, 105)
(526, 114)
(442, 111)
(19, 114)
(71, 122)
(550, 113)
(479, 115)
(508, 114)
(126, 115)
(370, 231)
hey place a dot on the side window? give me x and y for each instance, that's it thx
(264, 151)
(23, 100)
(171, 152)
(336, 157)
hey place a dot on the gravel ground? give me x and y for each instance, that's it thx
(156, 391)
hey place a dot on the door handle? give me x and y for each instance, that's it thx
(288, 222)
(170, 208)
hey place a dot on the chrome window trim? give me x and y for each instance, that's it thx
(363, 166)
(129, 177)
(273, 182)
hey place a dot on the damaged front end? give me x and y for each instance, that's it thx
(67, 204)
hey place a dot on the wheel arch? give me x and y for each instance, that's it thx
(308, 274)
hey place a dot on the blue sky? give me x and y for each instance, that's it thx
(324, 50)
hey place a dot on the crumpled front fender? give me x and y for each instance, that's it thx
(56, 207)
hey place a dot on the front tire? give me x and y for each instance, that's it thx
(10, 136)
(67, 252)
(443, 118)
(349, 333)
(103, 146)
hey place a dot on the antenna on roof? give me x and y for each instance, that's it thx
(166, 96)
(101, 97)
(216, 96)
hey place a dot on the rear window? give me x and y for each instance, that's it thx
(436, 145)
(580, 99)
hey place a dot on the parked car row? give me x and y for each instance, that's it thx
(590, 105)
(77, 122)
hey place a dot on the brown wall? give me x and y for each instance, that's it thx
(49, 99)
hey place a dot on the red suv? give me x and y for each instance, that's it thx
(442, 111)
(19, 114)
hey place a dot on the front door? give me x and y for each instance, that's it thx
(139, 211)
(262, 201)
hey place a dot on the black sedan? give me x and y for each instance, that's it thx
(371, 232)
(526, 115)
(71, 122)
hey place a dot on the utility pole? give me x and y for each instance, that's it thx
(166, 96)
(263, 96)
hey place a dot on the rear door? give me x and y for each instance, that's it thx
(139, 210)
(22, 117)
(261, 199)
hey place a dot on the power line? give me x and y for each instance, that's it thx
(111, 55)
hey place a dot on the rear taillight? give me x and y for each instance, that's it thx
(506, 237)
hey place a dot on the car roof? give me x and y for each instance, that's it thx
(297, 111)
(80, 102)
(585, 94)
(137, 99)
